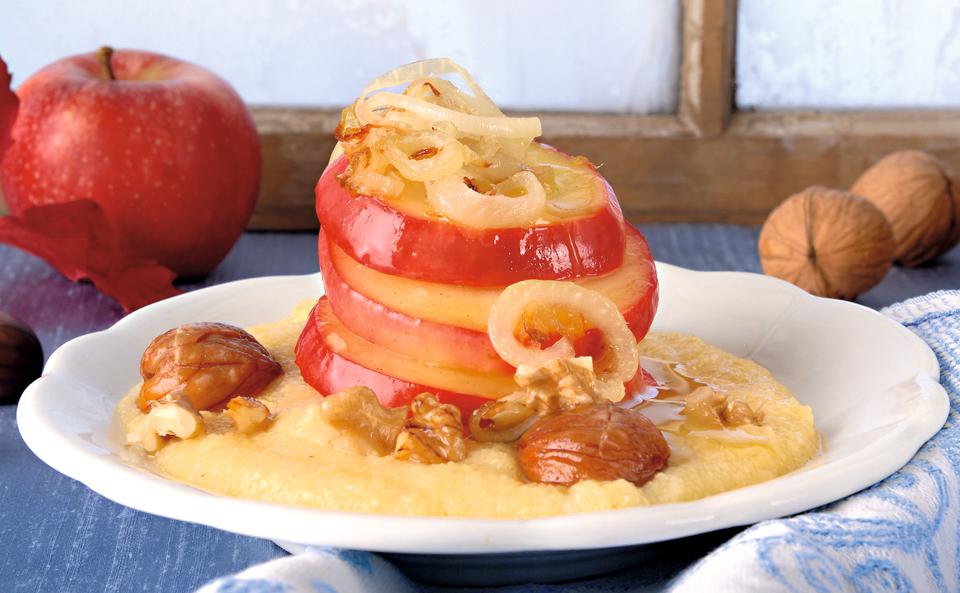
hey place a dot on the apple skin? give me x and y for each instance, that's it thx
(380, 236)
(390, 310)
(436, 343)
(168, 150)
(329, 372)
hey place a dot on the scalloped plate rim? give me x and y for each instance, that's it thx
(137, 488)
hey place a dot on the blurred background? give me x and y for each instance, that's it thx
(561, 55)
(536, 55)
(699, 110)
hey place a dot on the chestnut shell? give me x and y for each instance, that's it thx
(21, 358)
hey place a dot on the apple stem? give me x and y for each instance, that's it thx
(105, 54)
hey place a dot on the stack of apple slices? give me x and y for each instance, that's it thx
(411, 274)
(409, 294)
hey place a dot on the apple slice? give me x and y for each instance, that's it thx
(328, 372)
(581, 236)
(322, 354)
(436, 343)
(632, 287)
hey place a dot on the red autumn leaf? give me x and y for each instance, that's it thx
(77, 239)
(8, 109)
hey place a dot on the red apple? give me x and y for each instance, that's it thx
(167, 149)
(8, 109)
(402, 237)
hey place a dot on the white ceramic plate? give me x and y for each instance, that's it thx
(872, 385)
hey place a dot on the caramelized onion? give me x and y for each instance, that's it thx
(423, 69)
(369, 183)
(621, 357)
(455, 199)
(451, 140)
(488, 120)
(423, 156)
(386, 108)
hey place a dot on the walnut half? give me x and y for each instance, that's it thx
(357, 411)
(426, 431)
(709, 408)
(561, 384)
(432, 432)
(248, 414)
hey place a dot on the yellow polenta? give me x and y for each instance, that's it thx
(302, 460)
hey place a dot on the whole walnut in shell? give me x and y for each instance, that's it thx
(828, 242)
(919, 198)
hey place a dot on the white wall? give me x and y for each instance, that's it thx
(833, 54)
(604, 55)
(614, 55)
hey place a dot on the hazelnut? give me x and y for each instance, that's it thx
(920, 198)
(209, 362)
(21, 358)
(248, 414)
(502, 420)
(828, 242)
(594, 442)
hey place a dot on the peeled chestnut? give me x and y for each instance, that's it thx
(209, 363)
(21, 358)
(593, 442)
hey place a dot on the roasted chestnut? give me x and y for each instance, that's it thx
(208, 362)
(21, 358)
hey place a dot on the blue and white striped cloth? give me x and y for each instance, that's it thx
(901, 535)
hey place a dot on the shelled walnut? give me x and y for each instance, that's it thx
(432, 432)
(426, 431)
(172, 416)
(709, 408)
(248, 414)
(357, 410)
(561, 384)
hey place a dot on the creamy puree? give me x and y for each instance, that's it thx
(302, 460)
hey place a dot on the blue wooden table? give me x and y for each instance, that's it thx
(56, 536)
